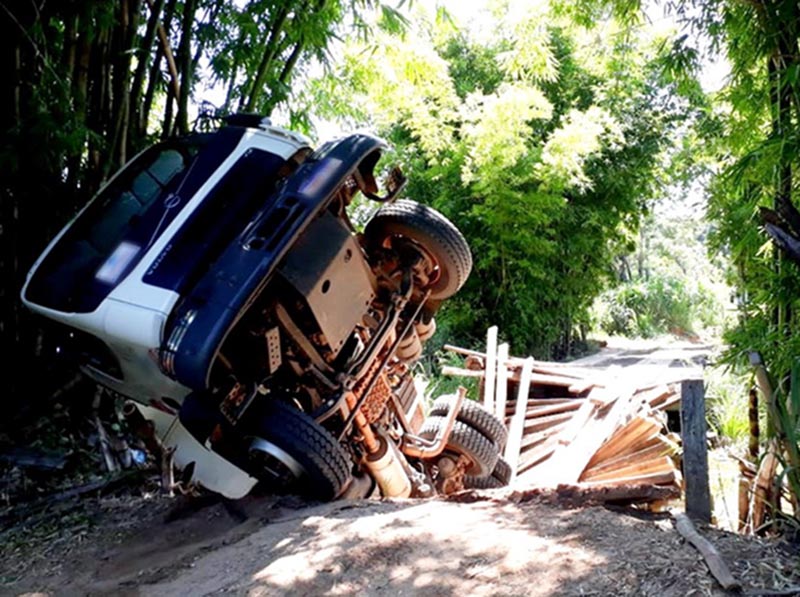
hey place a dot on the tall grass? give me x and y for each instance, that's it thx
(727, 404)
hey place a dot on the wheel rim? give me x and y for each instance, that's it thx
(275, 461)
(432, 270)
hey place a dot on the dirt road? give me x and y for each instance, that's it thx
(499, 544)
(491, 543)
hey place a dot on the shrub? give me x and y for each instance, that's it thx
(660, 304)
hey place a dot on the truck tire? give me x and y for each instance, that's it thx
(439, 239)
(500, 477)
(474, 415)
(464, 440)
(292, 451)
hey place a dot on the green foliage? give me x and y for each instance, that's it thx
(753, 139)
(542, 139)
(89, 84)
(727, 403)
(646, 308)
(668, 285)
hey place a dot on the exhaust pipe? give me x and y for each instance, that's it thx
(386, 467)
(417, 447)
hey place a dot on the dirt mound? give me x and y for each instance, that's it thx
(496, 545)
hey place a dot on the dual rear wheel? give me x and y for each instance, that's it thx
(478, 435)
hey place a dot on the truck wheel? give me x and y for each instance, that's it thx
(500, 477)
(464, 440)
(440, 241)
(291, 450)
(474, 415)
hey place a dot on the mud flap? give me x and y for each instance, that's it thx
(211, 470)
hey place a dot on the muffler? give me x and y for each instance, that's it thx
(386, 467)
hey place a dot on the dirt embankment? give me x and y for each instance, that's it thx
(499, 544)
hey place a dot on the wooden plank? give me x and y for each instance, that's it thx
(574, 373)
(581, 386)
(451, 371)
(670, 402)
(517, 363)
(502, 380)
(528, 460)
(559, 469)
(663, 478)
(569, 462)
(655, 395)
(531, 438)
(531, 441)
(541, 423)
(491, 368)
(543, 411)
(464, 351)
(623, 438)
(659, 449)
(695, 450)
(532, 402)
(536, 378)
(538, 410)
(517, 426)
(636, 468)
(710, 554)
(645, 441)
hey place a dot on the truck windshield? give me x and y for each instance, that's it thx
(110, 236)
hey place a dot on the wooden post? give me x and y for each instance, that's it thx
(517, 425)
(491, 368)
(501, 392)
(695, 450)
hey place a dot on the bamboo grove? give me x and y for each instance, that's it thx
(88, 84)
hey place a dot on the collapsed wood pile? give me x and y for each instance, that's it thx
(580, 426)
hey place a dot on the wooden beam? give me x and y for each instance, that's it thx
(660, 478)
(637, 467)
(623, 438)
(517, 426)
(451, 371)
(501, 391)
(491, 368)
(533, 457)
(543, 411)
(655, 395)
(534, 439)
(567, 369)
(536, 402)
(567, 456)
(660, 449)
(536, 378)
(695, 450)
(541, 423)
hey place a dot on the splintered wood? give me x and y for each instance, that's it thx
(587, 427)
